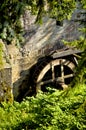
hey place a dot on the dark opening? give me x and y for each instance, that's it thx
(59, 23)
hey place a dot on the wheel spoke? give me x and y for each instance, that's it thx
(53, 73)
(59, 79)
(46, 82)
(62, 71)
(68, 76)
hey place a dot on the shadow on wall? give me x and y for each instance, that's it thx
(22, 86)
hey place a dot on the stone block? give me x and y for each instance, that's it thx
(6, 85)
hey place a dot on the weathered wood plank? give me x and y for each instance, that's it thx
(65, 53)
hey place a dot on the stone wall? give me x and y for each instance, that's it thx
(39, 39)
(5, 76)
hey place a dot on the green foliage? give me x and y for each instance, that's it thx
(10, 25)
(12, 10)
(56, 9)
(81, 69)
(83, 2)
(50, 111)
(80, 43)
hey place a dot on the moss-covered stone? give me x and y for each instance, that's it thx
(5, 93)
(5, 75)
(5, 85)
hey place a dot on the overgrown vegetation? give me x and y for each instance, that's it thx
(81, 69)
(10, 25)
(55, 110)
(12, 10)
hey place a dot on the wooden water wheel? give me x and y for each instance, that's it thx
(56, 73)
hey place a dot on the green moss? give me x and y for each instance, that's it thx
(7, 95)
(5, 88)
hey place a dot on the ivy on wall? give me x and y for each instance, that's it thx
(12, 10)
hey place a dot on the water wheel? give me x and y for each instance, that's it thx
(56, 73)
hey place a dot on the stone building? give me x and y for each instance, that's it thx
(39, 40)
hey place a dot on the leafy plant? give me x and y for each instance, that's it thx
(54, 110)
(81, 69)
(10, 25)
(12, 10)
